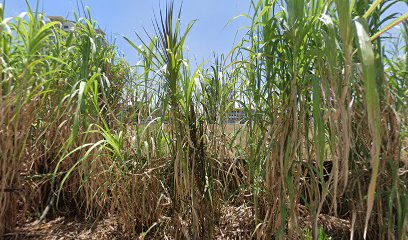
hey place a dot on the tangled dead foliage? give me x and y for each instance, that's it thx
(62, 228)
(236, 222)
(334, 227)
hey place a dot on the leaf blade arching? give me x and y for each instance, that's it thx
(373, 108)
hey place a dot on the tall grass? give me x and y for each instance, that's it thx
(325, 127)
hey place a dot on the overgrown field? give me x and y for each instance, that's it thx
(83, 134)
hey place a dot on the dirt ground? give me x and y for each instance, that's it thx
(235, 223)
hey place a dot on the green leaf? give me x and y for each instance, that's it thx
(389, 26)
(367, 59)
(372, 8)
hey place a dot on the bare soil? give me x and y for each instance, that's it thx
(235, 223)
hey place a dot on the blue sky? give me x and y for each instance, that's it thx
(125, 17)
